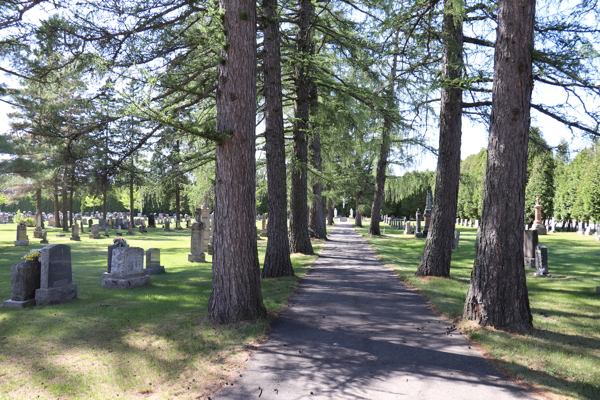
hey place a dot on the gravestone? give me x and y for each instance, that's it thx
(178, 226)
(119, 222)
(82, 226)
(22, 238)
(142, 228)
(167, 226)
(25, 281)
(196, 254)
(264, 232)
(408, 229)
(530, 242)
(44, 238)
(56, 284)
(153, 266)
(541, 260)
(538, 225)
(427, 214)
(90, 223)
(95, 233)
(127, 269)
(351, 213)
(130, 229)
(75, 233)
(456, 240)
(110, 253)
(418, 233)
(37, 233)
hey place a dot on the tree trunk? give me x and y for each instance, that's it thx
(277, 257)
(65, 199)
(497, 293)
(236, 292)
(357, 218)
(438, 248)
(299, 238)
(56, 204)
(131, 210)
(384, 152)
(71, 193)
(329, 212)
(319, 207)
(177, 187)
(105, 200)
(38, 206)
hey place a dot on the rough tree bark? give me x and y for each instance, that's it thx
(71, 194)
(65, 199)
(56, 204)
(318, 216)
(131, 210)
(438, 248)
(357, 218)
(177, 186)
(299, 238)
(497, 293)
(236, 292)
(329, 213)
(38, 205)
(277, 257)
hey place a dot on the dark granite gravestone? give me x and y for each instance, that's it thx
(151, 221)
(541, 260)
(56, 285)
(25, 281)
(90, 223)
(530, 241)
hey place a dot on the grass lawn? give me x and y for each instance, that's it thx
(153, 341)
(562, 355)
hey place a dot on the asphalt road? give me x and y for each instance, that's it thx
(354, 331)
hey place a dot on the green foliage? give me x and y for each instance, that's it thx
(470, 192)
(540, 176)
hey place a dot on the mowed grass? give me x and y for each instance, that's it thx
(562, 355)
(153, 341)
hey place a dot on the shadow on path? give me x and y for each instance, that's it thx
(354, 331)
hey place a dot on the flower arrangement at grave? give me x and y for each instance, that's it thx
(33, 255)
(120, 242)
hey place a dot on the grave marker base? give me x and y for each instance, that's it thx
(60, 234)
(109, 282)
(91, 236)
(154, 270)
(21, 243)
(76, 238)
(57, 295)
(19, 304)
(196, 257)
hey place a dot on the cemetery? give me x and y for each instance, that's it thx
(332, 200)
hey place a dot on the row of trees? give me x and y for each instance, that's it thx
(166, 90)
(567, 186)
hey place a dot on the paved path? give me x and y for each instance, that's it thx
(354, 331)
